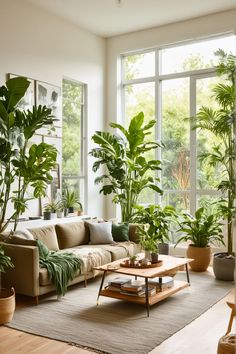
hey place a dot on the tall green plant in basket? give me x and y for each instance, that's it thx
(21, 166)
(222, 123)
(128, 168)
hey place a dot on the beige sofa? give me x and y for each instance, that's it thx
(29, 279)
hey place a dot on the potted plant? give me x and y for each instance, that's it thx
(7, 296)
(159, 220)
(50, 210)
(70, 200)
(21, 166)
(222, 123)
(149, 242)
(127, 164)
(201, 230)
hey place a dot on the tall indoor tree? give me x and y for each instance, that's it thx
(21, 166)
(222, 123)
(127, 165)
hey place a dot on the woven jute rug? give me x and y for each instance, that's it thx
(117, 326)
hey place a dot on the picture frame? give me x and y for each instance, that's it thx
(29, 99)
(50, 96)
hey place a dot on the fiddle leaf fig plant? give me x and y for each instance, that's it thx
(127, 165)
(21, 165)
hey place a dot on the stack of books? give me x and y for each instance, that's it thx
(161, 283)
(116, 284)
(137, 288)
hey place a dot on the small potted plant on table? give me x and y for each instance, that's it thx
(149, 242)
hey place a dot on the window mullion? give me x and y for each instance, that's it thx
(193, 146)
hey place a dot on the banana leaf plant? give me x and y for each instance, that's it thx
(222, 123)
(128, 168)
(20, 166)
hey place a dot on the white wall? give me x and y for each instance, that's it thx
(43, 47)
(157, 37)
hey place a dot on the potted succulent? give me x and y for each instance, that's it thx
(159, 220)
(222, 123)
(7, 296)
(201, 230)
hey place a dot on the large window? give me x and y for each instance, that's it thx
(73, 137)
(170, 85)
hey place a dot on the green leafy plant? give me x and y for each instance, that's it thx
(201, 230)
(147, 240)
(5, 261)
(70, 200)
(222, 123)
(159, 220)
(21, 166)
(128, 168)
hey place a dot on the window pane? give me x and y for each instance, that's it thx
(71, 133)
(199, 55)
(175, 134)
(208, 201)
(180, 201)
(139, 65)
(207, 175)
(141, 97)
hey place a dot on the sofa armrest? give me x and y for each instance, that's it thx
(24, 277)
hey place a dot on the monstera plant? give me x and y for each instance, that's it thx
(21, 165)
(127, 164)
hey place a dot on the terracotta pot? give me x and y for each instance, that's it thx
(201, 256)
(7, 305)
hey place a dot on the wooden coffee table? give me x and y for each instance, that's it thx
(169, 265)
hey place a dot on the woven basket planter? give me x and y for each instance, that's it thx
(7, 305)
(227, 344)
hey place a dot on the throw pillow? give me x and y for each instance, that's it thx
(100, 233)
(47, 235)
(71, 234)
(120, 232)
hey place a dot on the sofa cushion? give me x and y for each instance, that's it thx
(71, 234)
(100, 233)
(91, 256)
(47, 235)
(120, 232)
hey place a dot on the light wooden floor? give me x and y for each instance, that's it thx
(199, 337)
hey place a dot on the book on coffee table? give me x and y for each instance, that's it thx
(133, 286)
(162, 283)
(118, 282)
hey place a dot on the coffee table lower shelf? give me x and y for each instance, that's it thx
(178, 285)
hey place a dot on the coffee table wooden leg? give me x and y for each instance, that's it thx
(146, 294)
(187, 273)
(103, 277)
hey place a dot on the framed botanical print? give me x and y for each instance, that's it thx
(50, 96)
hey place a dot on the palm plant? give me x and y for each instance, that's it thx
(128, 169)
(222, 123)
(20, 166)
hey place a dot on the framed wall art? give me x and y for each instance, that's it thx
(28, 101)
(50, 96)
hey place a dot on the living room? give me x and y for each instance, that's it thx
(113, 51)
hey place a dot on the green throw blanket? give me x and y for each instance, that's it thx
(61, 267)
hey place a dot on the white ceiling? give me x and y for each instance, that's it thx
(106, 18)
